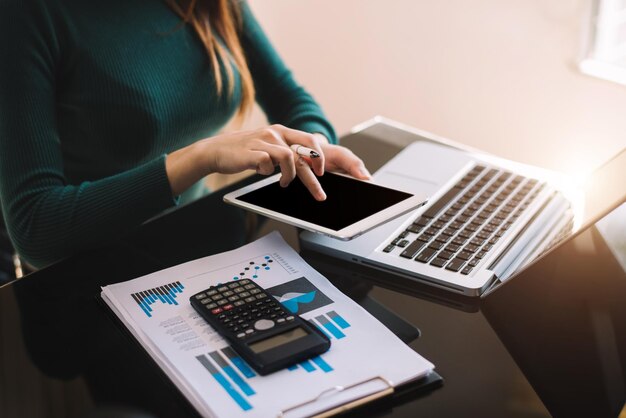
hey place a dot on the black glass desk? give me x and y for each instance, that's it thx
(552, 342)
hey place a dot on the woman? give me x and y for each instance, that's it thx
(110, 113)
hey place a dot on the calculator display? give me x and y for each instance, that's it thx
(278, 340)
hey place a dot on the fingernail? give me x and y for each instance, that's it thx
(321, 196)
(365, 172)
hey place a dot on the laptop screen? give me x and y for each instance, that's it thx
(603, 191)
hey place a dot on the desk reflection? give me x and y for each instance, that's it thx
(564, 322)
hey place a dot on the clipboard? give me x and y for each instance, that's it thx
(391, 394)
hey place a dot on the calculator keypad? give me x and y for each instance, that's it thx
(243, 308)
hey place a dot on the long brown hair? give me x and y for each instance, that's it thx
(222, 18)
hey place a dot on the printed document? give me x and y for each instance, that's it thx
(364, 358)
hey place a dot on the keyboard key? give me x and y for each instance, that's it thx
(477, 241)
(443, 238)
(436, 245)
(431, 231)
(403, 243)
(438, 224)
(452, 248)
(414, 228)
(412, 249)
(455, 265)
(438, 262)
(449, 231)
(480, 254)
(471, 248)
(464, 255)
(445, 255)
(473, 262)
(466, 270)
(426, 255)
(443, 201)
(389, 248)
(424, 237)
(421, 221)
(459, 241)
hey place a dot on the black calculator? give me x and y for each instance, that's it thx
(258, 327)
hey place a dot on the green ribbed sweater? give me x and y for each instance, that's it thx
(93, 95)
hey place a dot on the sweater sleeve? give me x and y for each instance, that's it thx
(282, 99)
(47, 218)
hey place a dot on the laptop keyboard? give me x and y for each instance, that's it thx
(462, 226)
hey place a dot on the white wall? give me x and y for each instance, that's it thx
(499, 75)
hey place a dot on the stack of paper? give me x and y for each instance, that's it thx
(364, 358)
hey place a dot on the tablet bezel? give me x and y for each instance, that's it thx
(345, 234)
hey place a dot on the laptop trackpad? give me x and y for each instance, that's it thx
(422, 167)
(406, 183)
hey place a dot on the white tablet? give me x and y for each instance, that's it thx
(351, 208)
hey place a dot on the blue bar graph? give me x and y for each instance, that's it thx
(338, 319)
(319, 361)
(238, 362)
(221, 379)
(306, 365)
(232, 373)
(336, 332)
(166, 294)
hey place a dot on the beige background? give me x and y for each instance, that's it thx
(499, 75)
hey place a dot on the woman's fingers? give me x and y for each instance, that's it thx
(309, 179)
(293, 136)
(342, 159)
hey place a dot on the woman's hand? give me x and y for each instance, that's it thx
(261, 150)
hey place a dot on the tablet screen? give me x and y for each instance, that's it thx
(347, 200)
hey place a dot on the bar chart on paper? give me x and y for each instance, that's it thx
(235, 376)
(166, 295)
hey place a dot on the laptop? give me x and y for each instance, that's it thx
(486, 217)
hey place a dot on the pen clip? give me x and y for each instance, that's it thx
(349, 405)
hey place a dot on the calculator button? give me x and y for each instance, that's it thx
(250, 299)
(233, 298)
(244, 281)
(217, 297)
(233, 285)
(261, 296)
(239, 303)
(211, 292)
(222, 289)
(290, 318)
(238, 289)
(222, 316)
(228, 293)
(228, 307)
(241, 335)
(222, 302)
(205, 300)
(254, 291)
(244, 294)
(200, 296)
(280, 320)
(211, 305)
(249, 331)
(216, 311)
(263, 324)
(250, 286)
(245, 325)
